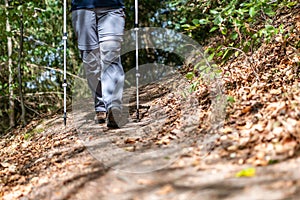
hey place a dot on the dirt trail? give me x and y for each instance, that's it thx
(71, 172)
(147, 160)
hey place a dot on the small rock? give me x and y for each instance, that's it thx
(260, 155)
(223, 138)
(241, 161)
(232, 148)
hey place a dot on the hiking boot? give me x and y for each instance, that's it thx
(100, 117)
(114, 117)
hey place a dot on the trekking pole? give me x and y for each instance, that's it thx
(137, 75)
(65, 37)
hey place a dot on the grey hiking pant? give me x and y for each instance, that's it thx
(99, 32)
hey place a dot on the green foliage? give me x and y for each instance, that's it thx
(42, 51)
(190, 75)
(30, 134)
(241, 24)
(236, 26)
(230, 99)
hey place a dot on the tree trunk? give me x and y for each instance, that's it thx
(23, 120)
(11, 112)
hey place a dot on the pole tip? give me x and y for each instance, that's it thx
(65, 119)
(137, 115)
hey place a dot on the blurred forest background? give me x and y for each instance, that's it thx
(31, 45)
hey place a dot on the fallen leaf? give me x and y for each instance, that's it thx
(226, 130)
(275, 91)
(130, 149)
(259, 162)
(248, 172)
(232, 148)
(145, 182)
(246, 109)
(5, 164)
(258, 127)
(165, 190)
(130, 141)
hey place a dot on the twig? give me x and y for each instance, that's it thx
(55, 69)
(42, 93)
(248, 59)
(29, 108)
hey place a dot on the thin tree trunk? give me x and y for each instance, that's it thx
(23, 120)
(11, 112)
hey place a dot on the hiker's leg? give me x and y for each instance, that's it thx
(110, 32)
(112, 74)
(92, 67)
(85, 26)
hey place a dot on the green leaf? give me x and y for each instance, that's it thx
(19, 7)
(230, 99)
(183, 20)
(203, 21)
(204, 69)
(214, 12)
(291, 4)
(248, 172)
(236, 53)
(213, 29)
(186, 26)
(234, 36)
(208, 50)
(195, 21)
(190, 75)
(254, 36)
(224, 30)
(211, 56)
(269, 12)
(220, 53)
(218, 20)
(269, 27)
(271, 162)
(225, 54)
(252, 11)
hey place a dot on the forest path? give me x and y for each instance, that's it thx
(69, 171)
(150, 159)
